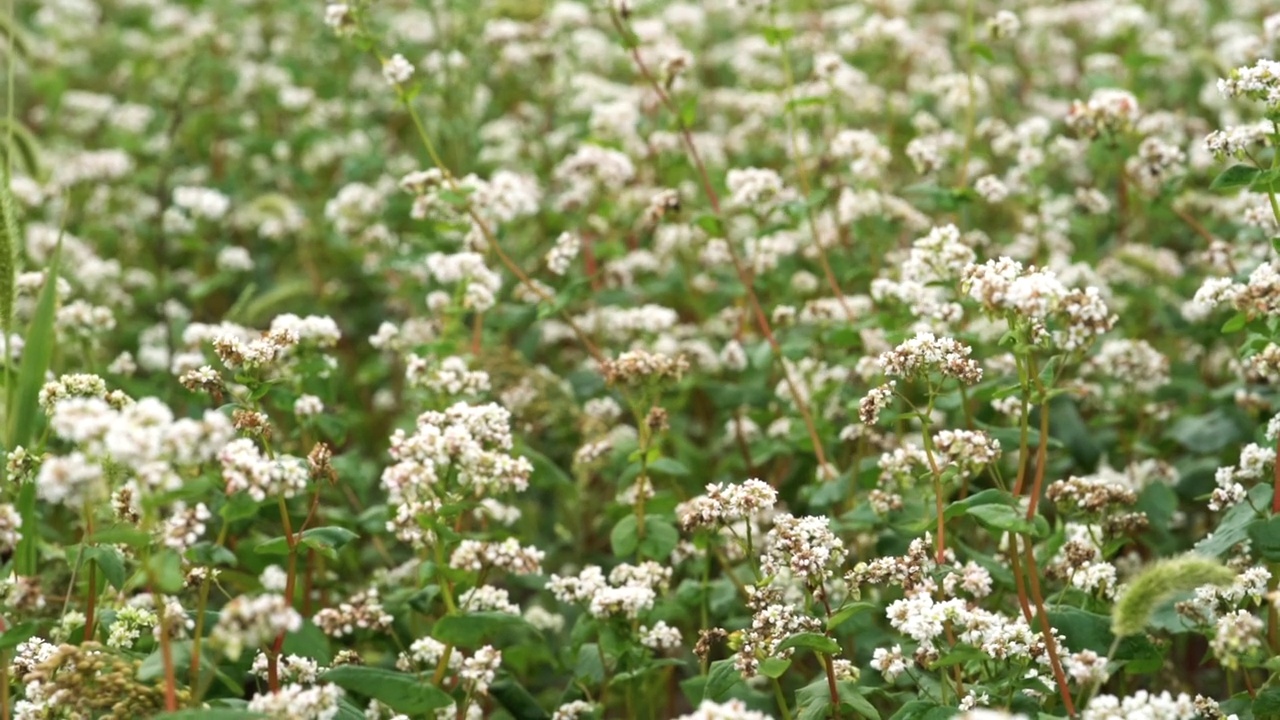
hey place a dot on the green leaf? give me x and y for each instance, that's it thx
(669, 466)
(624, 539)
(1233, 529)
(471, 629)
(1235, 176)
(326, 540)
(165, 568)
(1267, 702)
(18, 634)
(774, 667)
(722, 676)
(924, 710)
(24, 412)
(513, 697)
(660, 538)
(1235, 323)
(814, 700)
(239, 507)
(1007, 519)
(847, 612)
(309, 642)
(152, 667)
(121, 535)
(401, 692)
(110, 561)
(816, 642)
(1265, 535)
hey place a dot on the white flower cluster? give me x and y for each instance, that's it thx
(508, 555)
(246, 469)
(561, 255)
(1260, 81)
(465, 448)
(1108, 111)
(1037, 295)
(628, 591)
(805, 546)
(727, 503)
(927, 353)
(251, 622)
(1141, 704)
(480, 284)
(299, 702)
(448, 377)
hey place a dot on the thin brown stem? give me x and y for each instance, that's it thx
(744, 276)
(1046, 630)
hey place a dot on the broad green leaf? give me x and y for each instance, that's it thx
(472, 629)
(1235, 176)
(847, 612)
(816, 642)
(110, 561)
(401, 692)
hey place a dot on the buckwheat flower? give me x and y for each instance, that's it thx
(234, 259)
(425, 654)
(1141, 704)
(1261, 81)
(397, 70)
(875, 401)
(289, 668)
(508, 555)
(299, 702)
(201, 202)
(543, 619)
(889, 662)
(636, 367)
(805, 545)
(480, 669)
(245, 469)
(576, 709)
(561, 256)
(1004, 24)
(30, 654)
(991, 188)
(308, 406)
(184, 526)
(74, 385)
(1108, 110)
(729, 709)
(1086, 667)
(253, 621)
(1237, 635)
(660, 637)
(362, 611)
(925, 353)
(758, 190)
(487, 598)
(72, 480)
(273, 579)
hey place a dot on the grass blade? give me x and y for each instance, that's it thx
(37, 356)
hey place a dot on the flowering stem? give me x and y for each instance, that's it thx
(273, 657)
(1046, 630)
(1275, 493)
(831, 685)
(803, 174)
(782, 699)
(739, 268)
(91, 600)
(492, 240)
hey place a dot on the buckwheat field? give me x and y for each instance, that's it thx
(698, 359)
